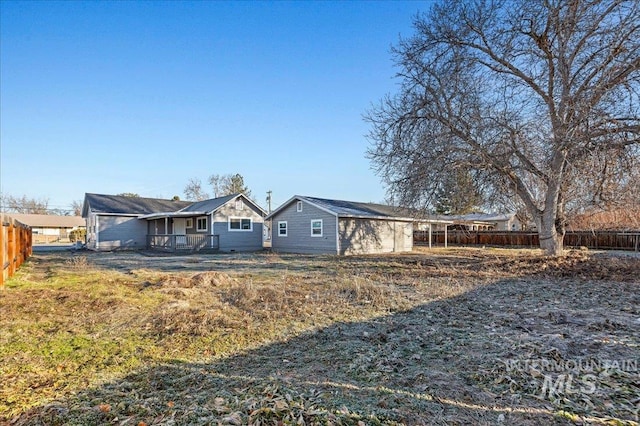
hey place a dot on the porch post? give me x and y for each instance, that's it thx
(445, 235)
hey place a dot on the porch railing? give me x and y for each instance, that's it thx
(189, 242)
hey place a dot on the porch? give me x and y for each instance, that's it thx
(187, 242)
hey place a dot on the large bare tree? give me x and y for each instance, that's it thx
(537, 98)
(193, 191)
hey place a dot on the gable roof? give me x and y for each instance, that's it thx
(48, 220)
(204, 207)
(349, 209)
(119, 204)
(208, 206)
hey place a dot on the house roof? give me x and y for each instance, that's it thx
(207, 206)
(349, 209)
(203, 207)
(483, 217)
(48, 220)
(119, 204)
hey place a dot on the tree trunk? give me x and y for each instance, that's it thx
(551, 236)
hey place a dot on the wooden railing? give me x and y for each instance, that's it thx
(610, 240)
(15, 246)
(189, 242)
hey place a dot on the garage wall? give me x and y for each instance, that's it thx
(362, 236)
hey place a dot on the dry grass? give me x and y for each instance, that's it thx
(454, 336)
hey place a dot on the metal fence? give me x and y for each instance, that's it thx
(609, 240)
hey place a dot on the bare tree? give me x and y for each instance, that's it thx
(76, 207)
(194, 192)
(228, 184)
(528, 94)
(24, 204)
(219, 183)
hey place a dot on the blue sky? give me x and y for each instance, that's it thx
(112, 97)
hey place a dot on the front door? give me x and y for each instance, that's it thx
(180, 231)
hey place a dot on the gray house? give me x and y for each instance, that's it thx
(315, 225)
(230, 223)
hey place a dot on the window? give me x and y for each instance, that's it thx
(201, 224)
(299, 206)
(240, 224)
(316, 228)
(189, 223)
(282, 229)
(239, 204)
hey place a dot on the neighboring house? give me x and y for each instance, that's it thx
(47, 229)
(231, 223)
(315, 225)
(478, 222)
(489, 222)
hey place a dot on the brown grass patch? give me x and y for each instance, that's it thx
(442, 336)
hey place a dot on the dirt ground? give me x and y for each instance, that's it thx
(456, 336)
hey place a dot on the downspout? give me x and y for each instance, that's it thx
(97, 233)
(337, 235)
(211, 233)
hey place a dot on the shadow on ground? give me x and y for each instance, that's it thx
(464, 360)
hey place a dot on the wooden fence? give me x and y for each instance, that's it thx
(15, 246)
(609, 240)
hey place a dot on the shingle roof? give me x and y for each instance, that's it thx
(352, 209)
(48, 220)
(119, 204)
(356, 209)
(207, 206)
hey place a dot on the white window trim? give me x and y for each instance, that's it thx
(189, 222)
(239, 204)
(321, 228)
(198, 229)
(299, 206)
(240, 230)
(286, 229)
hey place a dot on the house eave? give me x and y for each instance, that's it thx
(392, 218)
(116, 214)
(435, 221)
(172, 215)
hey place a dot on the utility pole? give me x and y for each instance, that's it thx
(269, 200)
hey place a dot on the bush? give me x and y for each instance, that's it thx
(78, 235)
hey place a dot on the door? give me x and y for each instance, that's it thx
(398, 236)
(180, 231)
